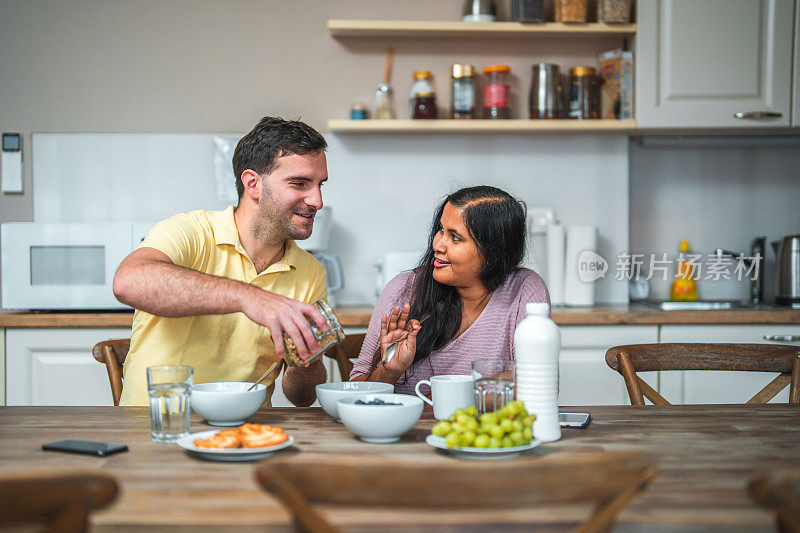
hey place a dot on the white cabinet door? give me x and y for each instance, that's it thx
(796, 68)
(584, 376)
(698, 63)
(711, 386)
(54, 366)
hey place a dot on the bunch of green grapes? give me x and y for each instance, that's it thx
(509, 426)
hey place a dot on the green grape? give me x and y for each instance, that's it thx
(518, 425)
(507, 442)
(472, 410)
(518, 439)
(482, 441)
(472, 424)
(488, 419)
(458, 428)
(527, 433)
(514, 408)
(451, 418)
(462, 418)
(494, 442)
(468, 438)
(496, 431)
(441, 429)
(452, 440)
(507, 426)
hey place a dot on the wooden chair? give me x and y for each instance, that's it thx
(342, 353)
(779, 490)
(61, 503)
(632, 358)
(113, 353)
(610, 480)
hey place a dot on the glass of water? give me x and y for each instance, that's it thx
(170, 389)
(493, 384)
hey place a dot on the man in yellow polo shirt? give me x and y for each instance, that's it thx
(211, 289)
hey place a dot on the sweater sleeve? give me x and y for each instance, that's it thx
(391, 296)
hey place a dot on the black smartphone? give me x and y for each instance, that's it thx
(82, 446)
(574, 420)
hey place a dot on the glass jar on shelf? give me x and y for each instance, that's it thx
(583, 93)
(463, 91)
(573, 11)
(495, 92)
(614, 11)
(384, 107)
(422, 86)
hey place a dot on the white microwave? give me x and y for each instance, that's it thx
(55, 265)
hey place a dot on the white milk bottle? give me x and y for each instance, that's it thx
(537, 342)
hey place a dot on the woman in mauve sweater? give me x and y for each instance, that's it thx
(468, 291)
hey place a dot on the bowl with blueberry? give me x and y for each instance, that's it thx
(379, 418)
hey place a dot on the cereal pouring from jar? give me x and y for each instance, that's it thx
(245, 436)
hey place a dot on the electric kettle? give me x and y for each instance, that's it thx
(787, 271)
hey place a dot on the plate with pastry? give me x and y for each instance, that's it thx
(248, 442)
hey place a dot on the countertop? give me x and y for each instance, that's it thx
(358, 316)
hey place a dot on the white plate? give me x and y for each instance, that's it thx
(227, 454)
(480, 453)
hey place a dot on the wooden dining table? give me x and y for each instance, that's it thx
(705, 456)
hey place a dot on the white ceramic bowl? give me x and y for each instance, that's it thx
(227, 403)
(329, 393)
(380, 424)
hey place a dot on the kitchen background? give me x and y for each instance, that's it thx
(204, 67)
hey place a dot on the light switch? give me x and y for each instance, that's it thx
(11, 168)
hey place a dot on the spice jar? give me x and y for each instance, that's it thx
(463, 91)
(614, 11)
(570, 10)
(527, 10)
(384, 108)
(495, 92)
(422, 100)
(424, 106)
(583, 93)
(326, 339)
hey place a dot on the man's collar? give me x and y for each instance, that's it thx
(225, 232)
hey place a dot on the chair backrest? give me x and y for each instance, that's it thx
(609, 480)
(60, 502)
(342, 353)
(780, 491)
(631, 358)
(113, 353)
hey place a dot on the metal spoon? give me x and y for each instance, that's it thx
(392, 348)
(263, 377)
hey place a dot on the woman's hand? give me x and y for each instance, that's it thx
(397, 327)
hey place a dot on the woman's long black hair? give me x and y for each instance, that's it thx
(495, 220)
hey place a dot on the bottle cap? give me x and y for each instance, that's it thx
(684, 245)
(537, 308)
(582, 71)
(419, 74)
(462, 71)
(496, 68)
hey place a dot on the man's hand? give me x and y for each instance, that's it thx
(284, 315)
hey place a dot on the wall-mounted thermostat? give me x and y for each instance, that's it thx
(12, 162)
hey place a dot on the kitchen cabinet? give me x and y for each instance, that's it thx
(54, 366)
(584, 376)
(711, 386)
(796, 69)
(700, 63)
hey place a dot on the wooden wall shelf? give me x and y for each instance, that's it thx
(481, 126)
(429, 28)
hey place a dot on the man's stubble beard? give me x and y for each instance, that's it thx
(269, 226)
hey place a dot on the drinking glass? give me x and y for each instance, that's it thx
(169, 388)
(493, 384)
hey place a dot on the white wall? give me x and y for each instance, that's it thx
(716, 197)
(382, 189)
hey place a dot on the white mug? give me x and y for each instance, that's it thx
(449, 393)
